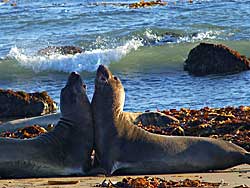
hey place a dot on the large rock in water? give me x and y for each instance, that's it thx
(213, 59)
(21, 104)
(62, 50)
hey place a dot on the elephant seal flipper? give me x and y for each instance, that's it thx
(124, 148)
(66, 150)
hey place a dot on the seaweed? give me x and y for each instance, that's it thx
(156, 182)
(229, 123)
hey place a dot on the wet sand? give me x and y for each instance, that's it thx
(239, 175)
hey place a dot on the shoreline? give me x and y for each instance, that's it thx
(236, 177)
(233, 177)
(228, 123)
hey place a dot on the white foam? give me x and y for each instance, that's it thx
(200, 36)
(87, 61)
(152, 36)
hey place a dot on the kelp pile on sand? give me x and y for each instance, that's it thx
(230, 123)
(155, 182)
(22, 104)
(24, 133)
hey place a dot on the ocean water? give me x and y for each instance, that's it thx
(145, 47)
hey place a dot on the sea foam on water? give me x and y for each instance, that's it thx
(87, 61)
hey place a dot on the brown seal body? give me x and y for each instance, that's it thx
(66, 150)
(122, 147)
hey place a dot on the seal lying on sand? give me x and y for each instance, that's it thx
(64, 151)
(146, 118)
(124, 148)
(42, 121)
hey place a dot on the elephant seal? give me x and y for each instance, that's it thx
(64, 151)
(123, 148)
(42, 121)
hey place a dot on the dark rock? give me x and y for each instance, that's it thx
(22, 104)
(208, 58)
(63, 50)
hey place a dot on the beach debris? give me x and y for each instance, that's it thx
(22, 104)
(242, 186)
(24, 133)
(209, 58)
(62, 50)
(156, 182)
(63, 182)
(229, 123)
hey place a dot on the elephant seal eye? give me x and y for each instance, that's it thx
(115, 78)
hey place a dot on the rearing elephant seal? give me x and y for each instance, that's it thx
(64, 151)
(124, 148)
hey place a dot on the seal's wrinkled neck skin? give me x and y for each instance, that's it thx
(109, 89)
(76, 124)
(107, 105)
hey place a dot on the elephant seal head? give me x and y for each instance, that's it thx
(109, 89)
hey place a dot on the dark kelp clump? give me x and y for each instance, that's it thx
(24, 133)
(209, 58)
(229, 123)
(155, 182)
(21, 104)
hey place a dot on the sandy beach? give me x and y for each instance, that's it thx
(233, 177)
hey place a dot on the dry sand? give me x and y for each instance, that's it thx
(239, 175)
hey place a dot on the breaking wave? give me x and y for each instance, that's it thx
(155, 41)
(87, 61)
